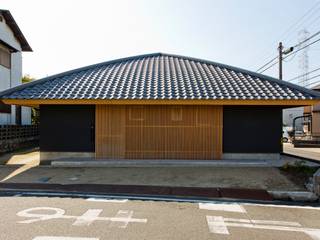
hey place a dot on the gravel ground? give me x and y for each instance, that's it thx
(230, 177)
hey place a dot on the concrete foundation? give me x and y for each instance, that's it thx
(44, 156)
(251, 156)
(91, 156)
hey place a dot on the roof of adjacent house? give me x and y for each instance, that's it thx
(317, 87)
(160, 76)
(16, 30)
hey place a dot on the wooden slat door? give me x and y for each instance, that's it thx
(159, 132)
(110, 135)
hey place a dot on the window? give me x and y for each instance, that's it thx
(176, 114)
(5, 57)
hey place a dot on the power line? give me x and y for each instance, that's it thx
(289, 60)
(304, 24)
(309, 44)
(316, 82)
(267, 63)
(307, 39)
(292, 53)
(290, 80)
(269, 67)
(285, 33)
(298, 23)
(298, 44)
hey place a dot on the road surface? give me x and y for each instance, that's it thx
(54, 218)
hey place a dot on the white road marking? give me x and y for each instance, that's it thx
(123, 216)
(87, 218)
(58, 213)
(216, 225)
(223, 206)
(283, 223)
(62, 238)
(107, 200)
(219, 224)
(315, 235)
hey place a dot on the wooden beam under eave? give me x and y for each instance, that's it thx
(37, 102)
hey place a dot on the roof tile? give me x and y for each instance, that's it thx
(159, 76)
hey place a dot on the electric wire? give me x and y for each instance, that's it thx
(299, 76)
(294, 52)
(303, 18)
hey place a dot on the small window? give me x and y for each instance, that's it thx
(5, 57)
(176, 114)
(136, 113)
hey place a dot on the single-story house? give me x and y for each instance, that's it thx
(160, 106)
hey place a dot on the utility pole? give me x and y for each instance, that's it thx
(281, 53)
(280, 48)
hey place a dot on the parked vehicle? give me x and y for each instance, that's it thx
(287, 134)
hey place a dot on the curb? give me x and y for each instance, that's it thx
(142, 190)
(301, 157)
(294, 196)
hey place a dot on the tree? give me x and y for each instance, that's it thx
(27, 78)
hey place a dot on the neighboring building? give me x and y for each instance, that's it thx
(12, 43)
(160, 106)
(314, 111)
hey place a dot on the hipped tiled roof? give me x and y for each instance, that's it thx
(159, 76)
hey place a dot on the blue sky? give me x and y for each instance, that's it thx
(66, 34)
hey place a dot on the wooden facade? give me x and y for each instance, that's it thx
(158, 132)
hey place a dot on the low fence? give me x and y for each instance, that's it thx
(13, 137)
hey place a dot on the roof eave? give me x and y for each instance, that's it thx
(16, 30)
(245, 102)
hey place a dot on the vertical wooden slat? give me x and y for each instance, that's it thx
(110, 132)
(155, 132)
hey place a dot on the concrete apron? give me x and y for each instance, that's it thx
(159, 163)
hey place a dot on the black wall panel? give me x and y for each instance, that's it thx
(67, 128)
(252, 129)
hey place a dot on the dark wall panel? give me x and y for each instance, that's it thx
(4, 108)
(252, 129)
(67, 128)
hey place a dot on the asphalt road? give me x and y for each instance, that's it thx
(43, 218)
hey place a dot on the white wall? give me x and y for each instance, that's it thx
(8, 36)
(26, 116)
(5, 76)
(12, 77)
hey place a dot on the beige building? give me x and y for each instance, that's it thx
(315, 113)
